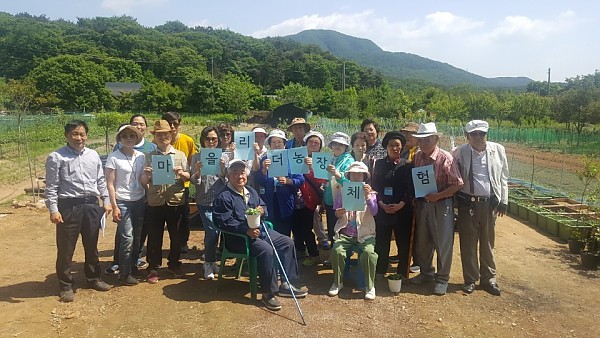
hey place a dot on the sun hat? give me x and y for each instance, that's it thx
(340, 138)
(427, 129)
(138, 134)
(276, 133)
(357, 167)
(161, 126)
(314, 133)
(411, 127)
(259, 130)
(392, 135)
(299, 120)
(477, 125)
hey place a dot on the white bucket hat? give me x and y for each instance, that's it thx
(340, 138)
(314, 133)
(276, 133)
(427, 129)
(357, 167)
(259, 130)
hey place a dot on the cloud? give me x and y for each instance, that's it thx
(126, 6)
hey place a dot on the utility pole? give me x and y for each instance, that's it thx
(548, 87)
(344, 77)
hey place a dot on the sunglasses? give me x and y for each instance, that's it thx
(478, 133)
(174, 124)
(211, 139)
(128, 136)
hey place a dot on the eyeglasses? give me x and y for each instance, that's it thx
(128, 136)
(211, 139)
(478, 133)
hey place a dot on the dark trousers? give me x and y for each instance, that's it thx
(331, 220)
(302, 226)
(400, 224)
(157, 217)
(265, 258)
(78, 218)
(184, 224)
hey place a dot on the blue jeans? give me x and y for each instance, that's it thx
(129, 230)
(211, 235)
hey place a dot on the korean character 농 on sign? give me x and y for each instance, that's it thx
(298, 157)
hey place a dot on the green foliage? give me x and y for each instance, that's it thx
(110, 122)
(237, 94)
(252, 211)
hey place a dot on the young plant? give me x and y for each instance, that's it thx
(252, 211)
(395, 276)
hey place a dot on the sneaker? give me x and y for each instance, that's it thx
(271, 302)
(325, 245)
(208, 271)
(420, 279)
(310, 261)
(215, 267)
(176, 271)
(128, 280)
(394, 259)
(152, 277)
(335, 289)
(370, 295)
(113, 270)
(440, 288)
(141, 264)
(301, 254)
(415, 269)
(284, 291)
(67, 296)
(99, 285)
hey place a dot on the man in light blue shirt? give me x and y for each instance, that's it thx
(74, 182)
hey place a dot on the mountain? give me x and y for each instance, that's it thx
(399, 65)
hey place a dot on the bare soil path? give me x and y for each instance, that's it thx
(544, 294)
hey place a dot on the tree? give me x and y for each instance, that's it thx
(579, 107)
(21, 96)
(109, 122)
(76, 83)
(159, 96)
(296, 93)
(237, 93)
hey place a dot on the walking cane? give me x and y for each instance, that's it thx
(284, 273)
(412, 237)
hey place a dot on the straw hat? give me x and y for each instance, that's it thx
(138, 134)
(427, 129)
(161, 126)
(411, 127)
(301, 121)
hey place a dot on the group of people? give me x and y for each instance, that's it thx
(472, 178)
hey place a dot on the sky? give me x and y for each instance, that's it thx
(488, 38)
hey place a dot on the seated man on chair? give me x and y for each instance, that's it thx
(230, 214)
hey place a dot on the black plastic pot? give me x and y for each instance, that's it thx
(589, 260)
(575, 245)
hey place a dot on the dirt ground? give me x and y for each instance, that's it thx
(545, 293)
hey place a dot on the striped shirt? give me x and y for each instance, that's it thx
(445, 168)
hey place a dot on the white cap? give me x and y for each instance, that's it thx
(238, 162)
(477, 125)
(340, 138)
(259, 130)
(276, 133)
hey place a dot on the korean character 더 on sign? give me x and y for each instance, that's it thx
(279, 162)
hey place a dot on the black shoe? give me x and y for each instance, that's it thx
(99, 285)
(67, 296)
(128, 280)
(394, 259)
(468, 288)
(492, 288)
(185, 249)
(271, 302)
(284, 291)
